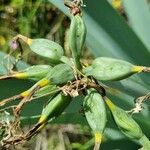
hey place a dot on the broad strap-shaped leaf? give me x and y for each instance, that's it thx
(138, 14)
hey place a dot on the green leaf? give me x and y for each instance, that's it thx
(7, 61)
(138, 13)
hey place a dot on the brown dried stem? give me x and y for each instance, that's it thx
(74, 6)
(3, 102)
(5, 77)
(146, 69)
(139, 103)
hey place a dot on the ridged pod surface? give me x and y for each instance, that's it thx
(47, 90)
(77, 34)
(109, 69)
(81, 33)
(47, 49)
(55, 107)
(95, 113)
(124, 121)
(61, 73)
(36, 72)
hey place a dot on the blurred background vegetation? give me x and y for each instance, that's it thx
(120, 31)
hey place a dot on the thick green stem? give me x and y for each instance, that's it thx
(77, 63)
(145, 142)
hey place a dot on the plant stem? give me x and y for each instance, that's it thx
(146, 69)
(144, 141)
(77, 63)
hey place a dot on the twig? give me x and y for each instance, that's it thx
(3, 102)
(139, 103)
(146, 69)
(74, 6)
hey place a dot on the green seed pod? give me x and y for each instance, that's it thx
(43, 47)
(60, 74)
(47, 90)
(81, 34)
(124, 121)
(55, 107)
(47, 49)
(67, 60)
(73, 36)
(95, 113)
(52, 110)
(36, 72)
(77, 36)
(109, 69)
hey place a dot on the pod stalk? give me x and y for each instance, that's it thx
(4, 101)
(98, 139)
(18, 75)
(146, 69)
(144, 141)
(138, 69)
(109, 103)
(23, 38)
(6, 77)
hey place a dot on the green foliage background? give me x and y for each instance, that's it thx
(109, 34)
